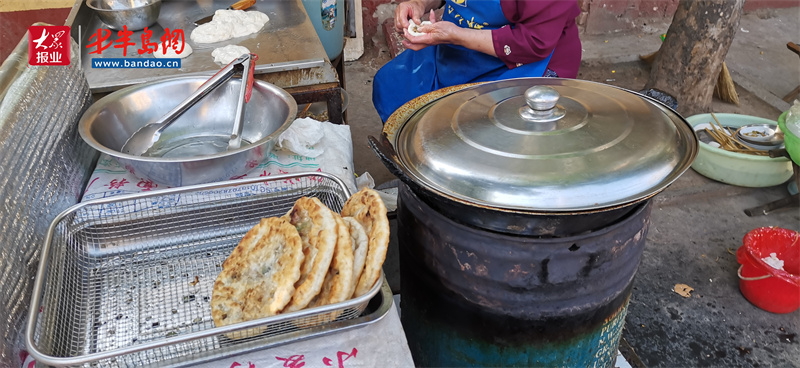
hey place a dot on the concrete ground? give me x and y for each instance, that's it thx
(697, 224)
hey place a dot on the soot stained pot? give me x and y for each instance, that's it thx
(536, 156)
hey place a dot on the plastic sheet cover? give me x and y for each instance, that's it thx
(44, 166)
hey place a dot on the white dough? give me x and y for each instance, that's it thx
(227, 24)
(412, 27)
(170, 52)
(224, 55)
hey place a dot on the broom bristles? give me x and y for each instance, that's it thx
(649, 58)
(725, 89)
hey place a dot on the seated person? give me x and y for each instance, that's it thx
(478, 41)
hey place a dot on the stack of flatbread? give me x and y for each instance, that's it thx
(310, 257)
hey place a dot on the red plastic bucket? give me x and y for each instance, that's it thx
(769, 288)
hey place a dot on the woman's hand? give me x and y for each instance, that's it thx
(432, 34)
(413, 10)
(444, 32)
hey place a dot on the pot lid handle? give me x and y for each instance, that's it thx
(542, 105)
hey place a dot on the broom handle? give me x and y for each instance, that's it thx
(794, 47)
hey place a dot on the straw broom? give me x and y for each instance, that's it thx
(724, 89)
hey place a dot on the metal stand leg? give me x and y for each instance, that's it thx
(338, 64)
(789, 201)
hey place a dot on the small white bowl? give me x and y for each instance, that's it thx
(760, 136)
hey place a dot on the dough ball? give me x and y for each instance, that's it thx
(227, 24)
(224, 55)
(170, 53)
(413, 28)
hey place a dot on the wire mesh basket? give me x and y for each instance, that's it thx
(127, 281)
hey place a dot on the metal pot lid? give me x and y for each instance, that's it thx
(545, 144)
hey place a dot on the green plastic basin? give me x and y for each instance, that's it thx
(738, 168)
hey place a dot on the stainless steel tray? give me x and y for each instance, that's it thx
(287, 42)
(127, 281)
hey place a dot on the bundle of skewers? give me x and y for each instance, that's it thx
(727, 139)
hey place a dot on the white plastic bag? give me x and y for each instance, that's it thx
(303, 137)
(331, 145)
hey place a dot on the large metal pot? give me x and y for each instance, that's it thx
(536, 156)
(109, 122)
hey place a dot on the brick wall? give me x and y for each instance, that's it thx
(370, 15)
(17, 15)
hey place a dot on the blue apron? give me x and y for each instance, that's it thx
(415, 73)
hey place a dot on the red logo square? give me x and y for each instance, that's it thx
(48, 45)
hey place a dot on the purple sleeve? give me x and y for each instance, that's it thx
(537, 26)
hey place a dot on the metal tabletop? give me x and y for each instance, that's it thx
(291, 56)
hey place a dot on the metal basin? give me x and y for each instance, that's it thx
(135, 14)
(187, 148)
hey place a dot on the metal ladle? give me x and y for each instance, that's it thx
(143, 139)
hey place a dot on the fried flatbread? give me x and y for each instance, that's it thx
(338, 285)
(360, 244)
(366, 207)
(258, 278)
(317, 227)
